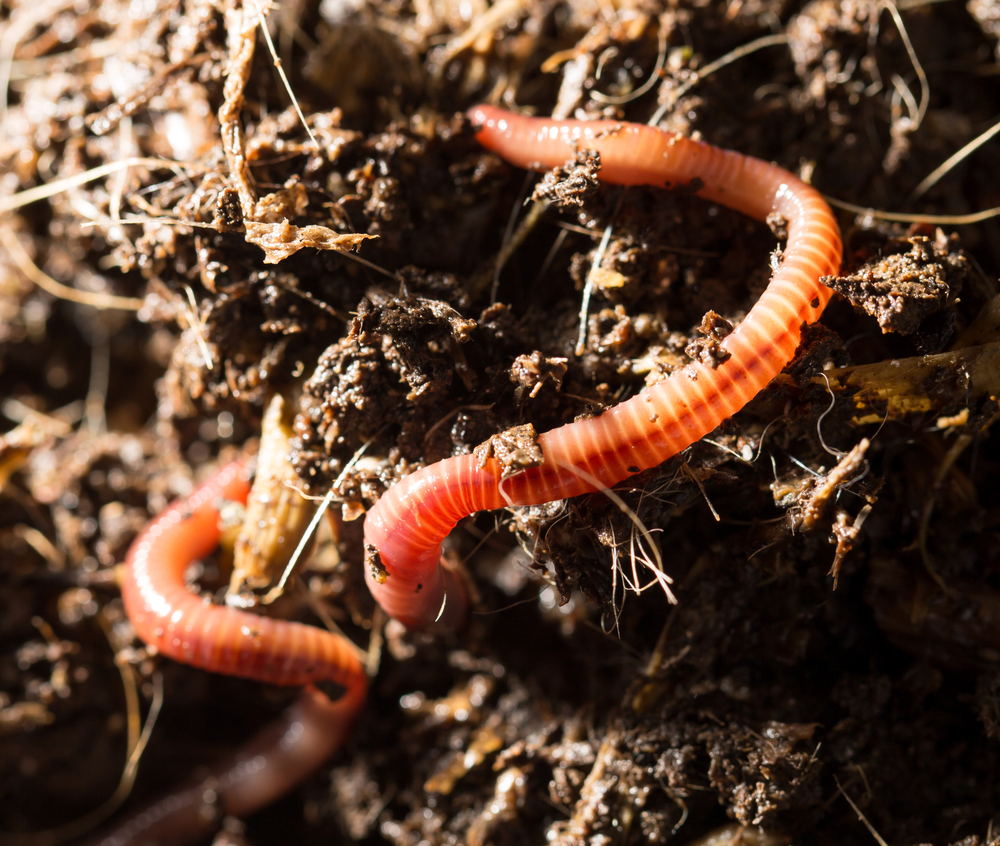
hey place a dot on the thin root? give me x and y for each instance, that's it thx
(712, 67)
(57, 289)
(878, 837)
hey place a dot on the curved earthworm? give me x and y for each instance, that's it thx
(404, 530)
(188, 628)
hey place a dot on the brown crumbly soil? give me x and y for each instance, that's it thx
(834, 550)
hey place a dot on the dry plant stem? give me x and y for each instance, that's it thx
(58, 186)
(280, 239)
(241, 24)
(932, 178)
(407, 525)
(901, 217)
(921, 385)
(277, 513)
(183, 626)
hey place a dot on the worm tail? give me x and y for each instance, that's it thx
(227, 640)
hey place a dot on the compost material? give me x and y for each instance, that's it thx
(789, 633)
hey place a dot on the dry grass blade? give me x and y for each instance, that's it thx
(588, 289)
(861, 816)
(57, 289)
(903, 217)
(949, 163)
(50, 189)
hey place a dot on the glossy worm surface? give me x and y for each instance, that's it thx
(407, 525)
(188, 628)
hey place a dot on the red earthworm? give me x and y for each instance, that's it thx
(404, 530)
(183, 626)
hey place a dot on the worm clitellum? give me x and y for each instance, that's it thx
(403, 532)
(183, 626)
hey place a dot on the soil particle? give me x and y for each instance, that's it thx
(821, 38)
(901, 290)
(397, 364)
(778, 224)
(708, 350)
(515, 449)
(819, 348)
(404, 374)
(530, 373)
(570, 185)
(564, 712)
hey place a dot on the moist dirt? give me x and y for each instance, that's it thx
(828, 645)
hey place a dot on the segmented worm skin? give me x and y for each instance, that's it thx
(409, 522)
(188, 628)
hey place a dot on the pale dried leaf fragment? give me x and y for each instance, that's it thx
(276, 513)
(604, 278)
(291, 201)
(281, 240)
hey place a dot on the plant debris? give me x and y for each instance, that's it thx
(183, 247)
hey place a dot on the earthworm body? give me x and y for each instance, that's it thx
(408, 523)
(404, 530)
(185, 627)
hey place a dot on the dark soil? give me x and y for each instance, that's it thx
(834, 549)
